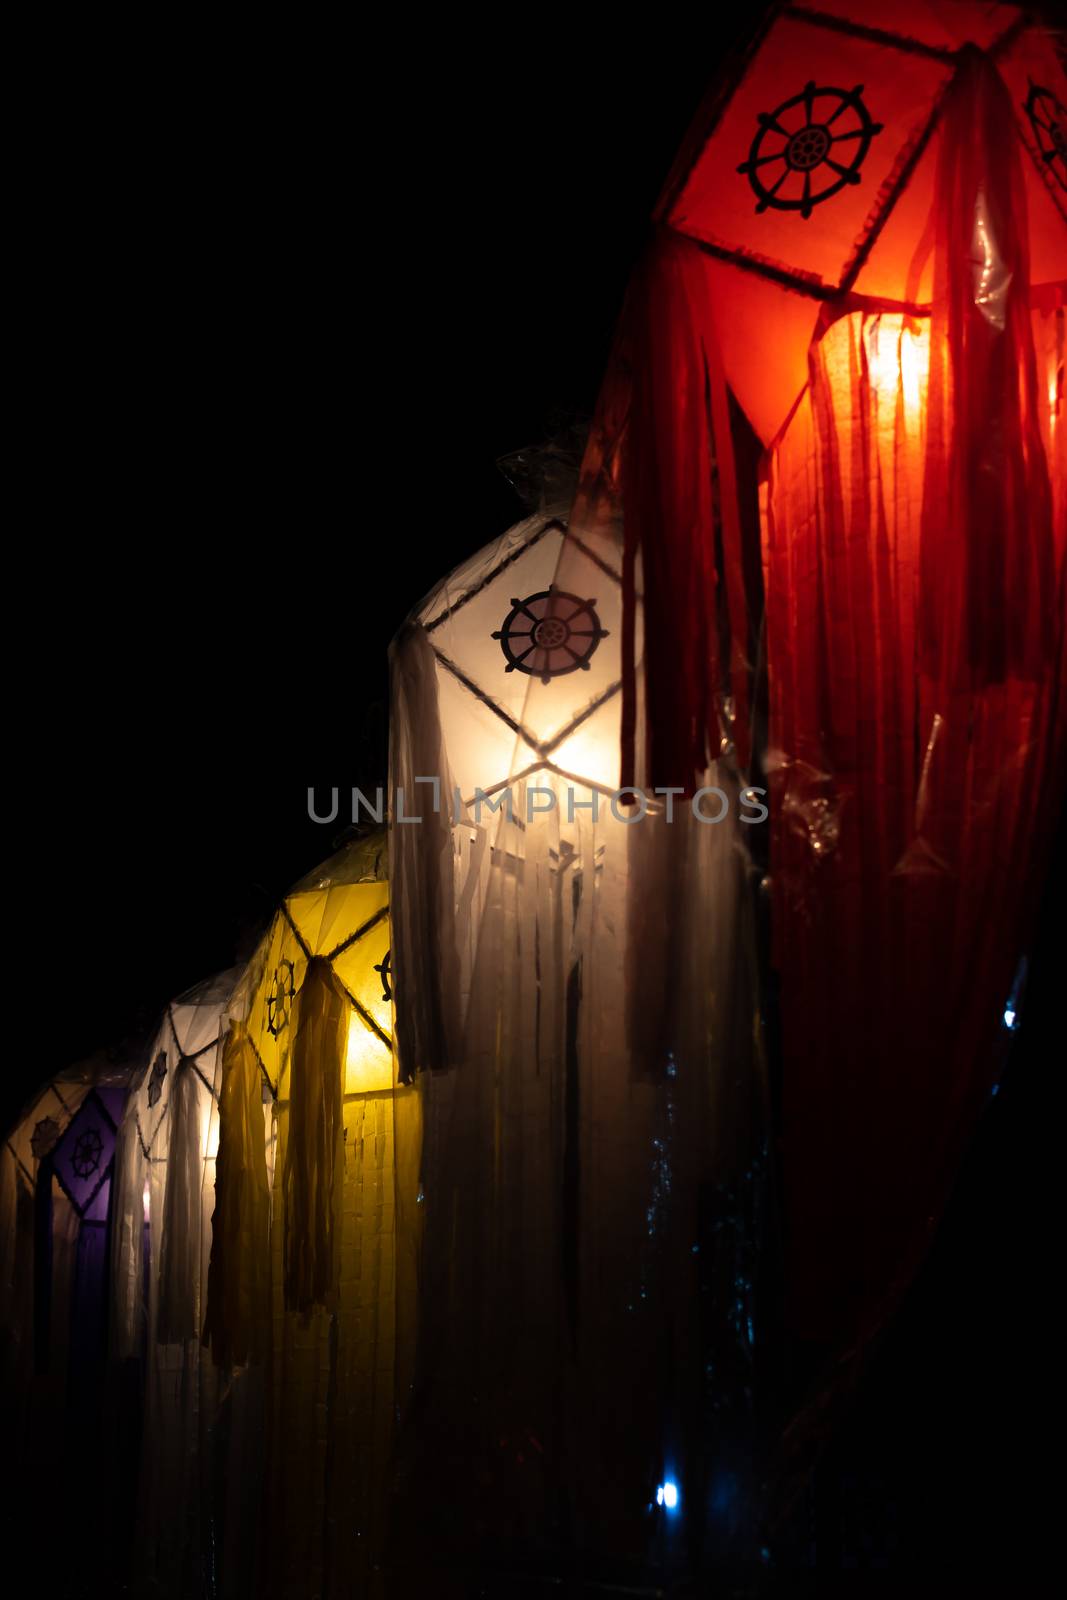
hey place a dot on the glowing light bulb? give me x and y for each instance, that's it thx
(898, 359)
(914, 367)
(667, 1495)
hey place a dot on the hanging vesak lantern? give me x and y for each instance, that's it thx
(863, 247)
(164, 1199)
(167, 1148)
(592, 1156)
(57, 1169)
(311, 1035)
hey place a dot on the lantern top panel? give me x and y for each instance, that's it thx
(943, 25)
(210, 993)
(81, 1159)
(527, 639)
(188, 1039)
(795, 173)
(46, 1116)
(340, 912)
(364, 860)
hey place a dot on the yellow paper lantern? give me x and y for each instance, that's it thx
(316, 1006)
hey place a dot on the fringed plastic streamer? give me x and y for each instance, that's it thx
(917, 737)
(986, 568)
(238, 1308)
(129, 1307)
(592, 1201)
(42, 1266)
(313, 1175)
(179, 1249)
(425, 964)
(681, 523)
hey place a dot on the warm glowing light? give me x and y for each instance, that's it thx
(209, 1132)
(368, 1062)
(914, 367)
(898, 360)
(146, 1200)
(591, 753)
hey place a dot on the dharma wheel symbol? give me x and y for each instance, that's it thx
(384, 969)
(1048, 118)
(45, 1135)
(280, 999)
(550, 633)
(799, 139)
(87, 1153)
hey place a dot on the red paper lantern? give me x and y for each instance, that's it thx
(864, 247)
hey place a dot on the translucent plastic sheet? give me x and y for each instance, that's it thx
(426, 968)
(987, 565)
(593, 1173)
(237, 1317)
(314, 1155)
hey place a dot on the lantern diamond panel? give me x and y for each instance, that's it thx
(823, 123)
(280, 999)
(1038, 85)
(45, 1134)
(1048, 119)
(82, 1158)
(550, 633)
(795, 144)
(529, 670)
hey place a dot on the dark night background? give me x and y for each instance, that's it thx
(296, 293)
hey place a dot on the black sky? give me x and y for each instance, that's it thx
(301, 293)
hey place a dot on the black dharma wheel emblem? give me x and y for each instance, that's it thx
(550, 633)
(1048, 119)
(809, 148)
(87, 1152)
(280, 999)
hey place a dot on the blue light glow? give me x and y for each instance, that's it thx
(1009, 1018)
(667, 1495)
